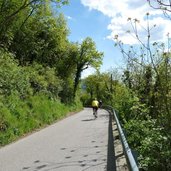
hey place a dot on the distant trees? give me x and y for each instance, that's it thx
(97, 86)
(102, 86)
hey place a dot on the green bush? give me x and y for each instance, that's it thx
(44, 79)
(154, 151)
(150, 143)
(18, 116)
(11, 78)
(8, 125)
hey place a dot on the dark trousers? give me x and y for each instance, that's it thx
(95, 108)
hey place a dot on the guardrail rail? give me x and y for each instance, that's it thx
(129, 156)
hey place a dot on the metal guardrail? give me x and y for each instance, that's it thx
(132, 164)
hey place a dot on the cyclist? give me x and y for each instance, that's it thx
(95, 105)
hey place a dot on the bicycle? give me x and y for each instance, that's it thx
(95, 111)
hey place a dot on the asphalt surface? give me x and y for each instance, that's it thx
(76, 143)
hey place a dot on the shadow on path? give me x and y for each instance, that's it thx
(83, 162)
(85, 158)
(111, 162)
(88, 120)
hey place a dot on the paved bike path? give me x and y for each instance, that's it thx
(76, 143)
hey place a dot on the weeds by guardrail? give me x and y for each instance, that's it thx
(129, 156)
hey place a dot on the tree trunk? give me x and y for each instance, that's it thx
(77, 79)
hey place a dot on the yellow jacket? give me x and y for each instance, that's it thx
(95, 103)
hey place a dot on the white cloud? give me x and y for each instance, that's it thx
(107, 7)
(119, 11)
(87, 72)
(69, 17)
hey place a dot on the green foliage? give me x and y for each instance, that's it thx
(18, 116)
(86, 99)
(37, 36)
(42, 39)
(11, 78)
(99, 86)
(36, 67)
(142, 127)
(45, 110)
(148, 75)
(123, 100)
(148, 124)
(44, 79)
(15, 13)
(142, 112)
(150, 143)
(66, 94)
(87, 55)
(155, 151)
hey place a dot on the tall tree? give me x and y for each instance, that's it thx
(14, 11)
(42, 39)
(87, 56)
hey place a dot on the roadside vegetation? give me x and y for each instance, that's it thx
(40, 69)
(141, 94)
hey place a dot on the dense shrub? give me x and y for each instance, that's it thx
(18, 116)
(12, 76)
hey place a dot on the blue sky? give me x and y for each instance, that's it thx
(83, 22)
(103, 19)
